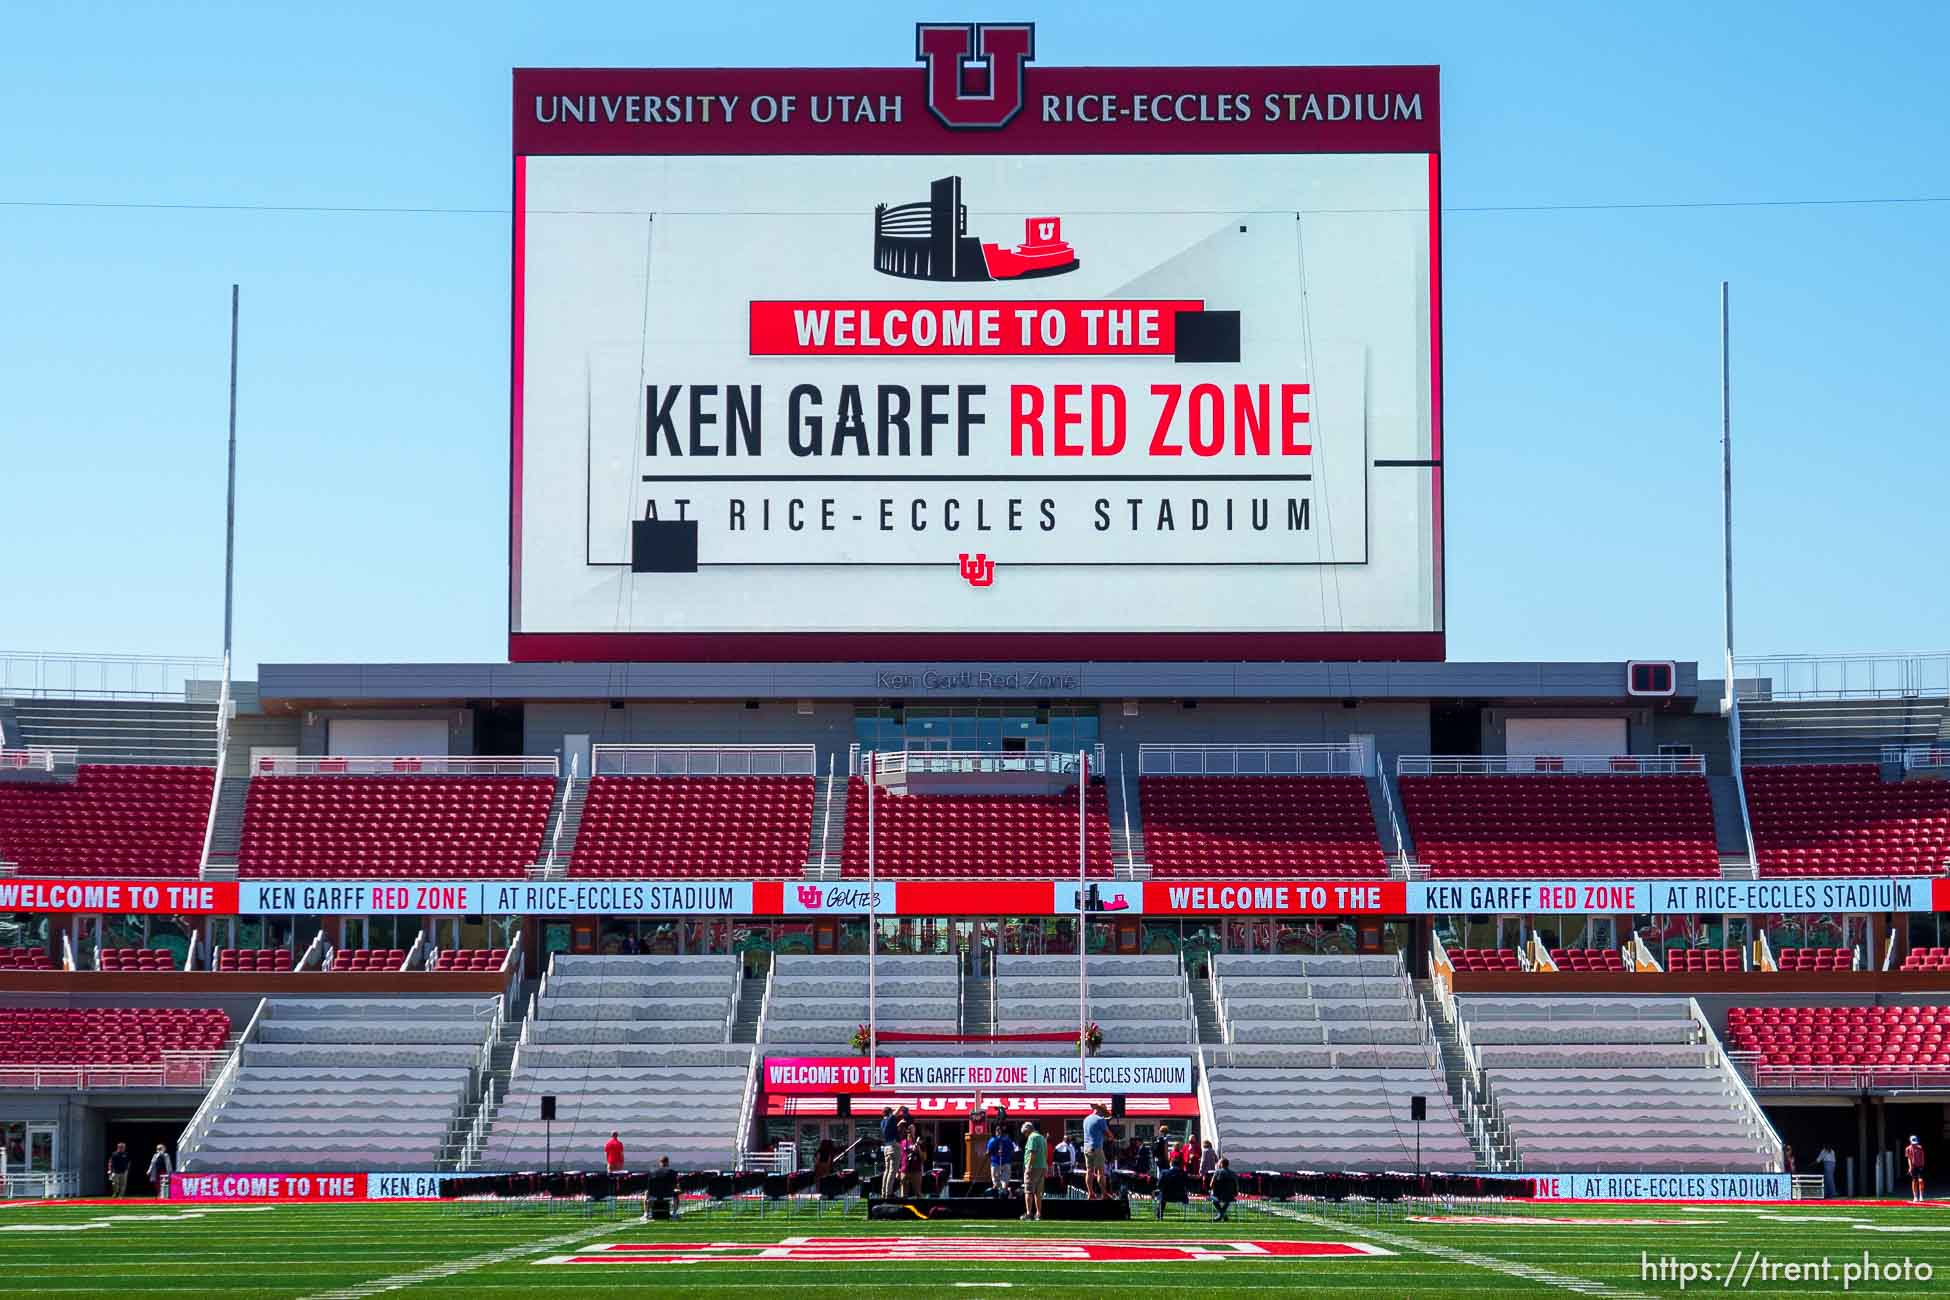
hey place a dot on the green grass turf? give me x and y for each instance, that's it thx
(304, 1250)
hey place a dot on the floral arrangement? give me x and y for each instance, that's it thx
(1093, 1038)
(862, 1039)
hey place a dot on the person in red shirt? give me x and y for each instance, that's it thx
(613, 1153)
(1913, 1157)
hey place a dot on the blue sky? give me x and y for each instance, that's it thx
(1582, 365)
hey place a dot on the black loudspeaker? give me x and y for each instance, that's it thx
(1418, 1108)
(845, 1106)
(1117, 1104)
(548, 1106)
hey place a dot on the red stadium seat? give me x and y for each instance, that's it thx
(115, 819)
(25, 959)
(1484, 959)
(1259, 826)
(734, 827)
(456, 827)
(106, 1035)
(951, 836)
(1835, 819)
(1593, 825)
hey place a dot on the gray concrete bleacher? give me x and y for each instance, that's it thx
(331, 1084)
(815, 1003)
(1323, 1055)
(633, 1045)
(1139, 1003)
(1611, 1084)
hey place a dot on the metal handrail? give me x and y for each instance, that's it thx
(826, 825)
(1755, 1114)
(1899, 674)
(406, 765)
(1124, 803)
(1394, 817)
(39, 758)
(1918, 758)
(704, 760)
(206, 1113)
(1550, 765)
(151, 677)
(177, 1069)
(223, 753)
(1166, 759)
(750, 1099)
(562, 813)
(1208, 1116)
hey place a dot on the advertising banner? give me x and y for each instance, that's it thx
(958, 1105)
(1662, 1187)
(307, 1187)
(156, 897)
(1274, 898)
(1162, 1074)
(1125, 360)
(825, 1075)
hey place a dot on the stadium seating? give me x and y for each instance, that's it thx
(106, 1035)
(1587, 959)
(1816, 959)
(254, 959)
(1602, 1085)
(112, 820)
(131, 959)
(1323, 1056)
(1484, 959)
(633, 1045)
(1495, 825)
(1905, 1037)
(471, 959)
(1259, 826)
(348, 1083)
(455, 827)
(923, 835)
(815, 1002)
(1692, 961)
(737, 827)
(1138, 1003)
(368, 959)
(1924, 959)
(1842, 819)
(25, 959)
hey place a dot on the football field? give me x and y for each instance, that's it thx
(1808, 1248)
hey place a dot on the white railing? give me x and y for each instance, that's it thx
(53, 1186)
(1252, 760)
(1394, 816)
(145, 677)
(1840, 1078)
(892, 767)
(418, 951)
(826, 825)
(1124, 804)
(313, 957)
(1208, 1113)
(704, 760)
(176, 1070)
(1918, 758)
(470, 1151)
(1755, 1115)
(749, 1102)
(223, 753)
(405, 765)
(785, 1160)
(206, 1114)
(1550, 765)
(562, 813)
(67, 953)
(38, 758)
(1889, 676)
(512, 967)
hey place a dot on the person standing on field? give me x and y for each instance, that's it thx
(1096, 1135)
(1913, 1157)
(613, 1153)
(118, 1170)
(1035, 1167)
(159, 1169)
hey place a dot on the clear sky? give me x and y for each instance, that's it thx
(1582, 402)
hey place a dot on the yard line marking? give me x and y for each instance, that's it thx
(434, 1272)
(1507, 1267)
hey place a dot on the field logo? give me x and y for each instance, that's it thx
(975, 71)
(960, 1250)
(978, 569)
